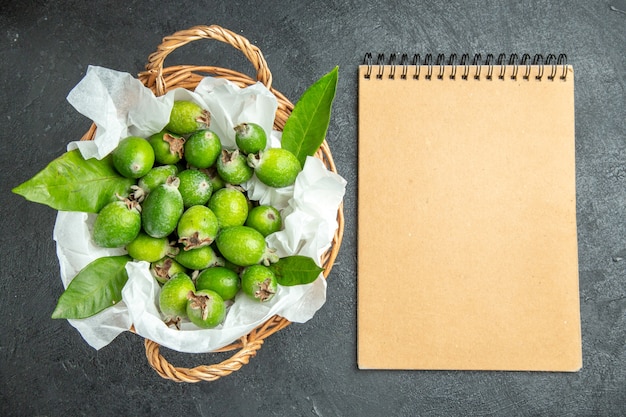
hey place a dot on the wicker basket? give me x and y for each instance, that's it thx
(160, 80)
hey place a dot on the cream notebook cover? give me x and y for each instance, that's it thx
(467, 245)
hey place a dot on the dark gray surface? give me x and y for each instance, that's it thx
(310, 369)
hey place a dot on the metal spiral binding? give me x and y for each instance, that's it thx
(437, 66)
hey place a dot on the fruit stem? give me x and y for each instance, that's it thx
(176, 144)
(173, 321)
(204, 118)
(269, 257)
(264, 292)
(194, 241)
(254, 159)
(199, 302)
(243, 129)
(173, 181)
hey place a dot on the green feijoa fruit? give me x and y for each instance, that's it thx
(250, 137)
(230, 206)
(156, 176)
(205, 308)
(265, 219)
(168, 147)
(186, 117)
(133, 157)
(162, 209)
(150, 249)
(244, 246)
(199, 258)
(195, 187)
(233, 167)
(259, 283)
(220, 279)
(173, 297)
(275, 167)
(198, 226)
(117, 224)
(165, 268)
(202, 148)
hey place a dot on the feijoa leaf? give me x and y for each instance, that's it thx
(306, 127)
(72, 183)
(96, 287)
(295, 270)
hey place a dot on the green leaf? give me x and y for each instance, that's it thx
(306, 127)
(295, 270)
(96, 287)
(72, 183)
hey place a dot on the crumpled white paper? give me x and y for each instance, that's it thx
(120, 106)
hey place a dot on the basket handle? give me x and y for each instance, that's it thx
(247, 348)
(203, 372)
(183, 37)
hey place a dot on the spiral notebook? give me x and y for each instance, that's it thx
(467, 244)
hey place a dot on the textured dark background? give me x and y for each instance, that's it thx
(46, 369)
